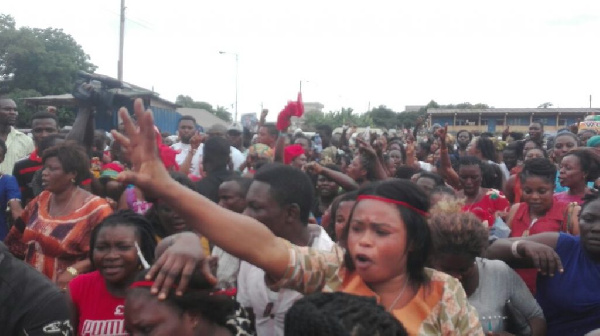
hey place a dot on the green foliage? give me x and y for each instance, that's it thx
(36, 62)
(335, 119)
(220, 112)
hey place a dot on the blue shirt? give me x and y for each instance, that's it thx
(571, 300)
(9, 189)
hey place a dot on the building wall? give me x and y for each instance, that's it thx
(495, 123)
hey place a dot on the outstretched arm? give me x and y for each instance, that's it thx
(237, 234)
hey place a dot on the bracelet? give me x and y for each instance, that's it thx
(72, 271)
(513, 249)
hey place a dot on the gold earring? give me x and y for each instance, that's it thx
(72, 180)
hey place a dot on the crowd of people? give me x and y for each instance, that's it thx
(226, 232)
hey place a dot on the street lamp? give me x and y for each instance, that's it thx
(236, 81)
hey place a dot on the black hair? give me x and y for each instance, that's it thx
(491, 176)
(469, 160)
(439, 181)
(340, 314)
(200, 299)
(369, 164)
(589, 162)
(216, 153)
(186, 117)
(539, 123)
(569, 134)
(288, 185)
(486, 147)
(142, 226)
(3, 147)
(406, 172)
(345, 197)
(461, 131)
(243, 182)
(272, 129)
(72, 157)
(418, 237)
(161, 229)
(44, 115)
(516, 135)
(588, 199)
(302, 136)
(539, 167)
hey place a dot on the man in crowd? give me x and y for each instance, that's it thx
(42, 125)
(186, 128)
(30, 304)
(232, 196)
(234, 135)
(215, 162)
(536, 133)
(281, 198)
(19, 144)
(267, 135)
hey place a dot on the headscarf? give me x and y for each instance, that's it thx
(594, 141)
(291, 152)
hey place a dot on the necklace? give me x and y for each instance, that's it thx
(61, 212)
(399, 296)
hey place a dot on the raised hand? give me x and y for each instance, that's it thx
(197, 139)
(313, 168)
(366, 148)
(148, 172)
(180, 256)
(441, 133)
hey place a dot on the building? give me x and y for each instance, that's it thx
(413, 108)
(495, 120)
(202, 116)
(165, 114)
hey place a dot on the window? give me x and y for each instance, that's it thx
(499, 122)
(484, 122)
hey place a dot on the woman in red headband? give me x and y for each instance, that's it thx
(387, 241)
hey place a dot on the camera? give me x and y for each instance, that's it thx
(96, 90)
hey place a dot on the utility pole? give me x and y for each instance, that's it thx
(121, 38)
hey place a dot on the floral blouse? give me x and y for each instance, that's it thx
(440, 307)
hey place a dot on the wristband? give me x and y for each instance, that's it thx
(513, 249)
(72, 271)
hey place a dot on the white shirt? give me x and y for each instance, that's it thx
(236, 156)
(253, 292)
(19, 146)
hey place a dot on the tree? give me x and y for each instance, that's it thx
(222, 113)
(383, 117)
(545, 105)
(46, 60)
(35, 62)
(187, 101)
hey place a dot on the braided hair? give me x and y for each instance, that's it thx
(539, 167)
(340, 314)
(142, 226)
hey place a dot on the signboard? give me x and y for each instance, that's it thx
(250, 121)
(590, 124)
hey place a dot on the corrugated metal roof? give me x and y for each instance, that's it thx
(202, 116)
(513, 110)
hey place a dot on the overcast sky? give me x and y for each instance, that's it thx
(347, 53)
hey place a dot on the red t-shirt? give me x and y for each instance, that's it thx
(99, 312)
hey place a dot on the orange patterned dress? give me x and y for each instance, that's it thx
(440, 307)
(51, 244)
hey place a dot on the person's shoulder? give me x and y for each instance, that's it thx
(566, 240)
(85, 280)
(489, 266)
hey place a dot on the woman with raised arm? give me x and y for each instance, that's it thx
(387, 243)
(568, 271)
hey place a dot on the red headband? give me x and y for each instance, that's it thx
(229, 291)
(388, 200)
